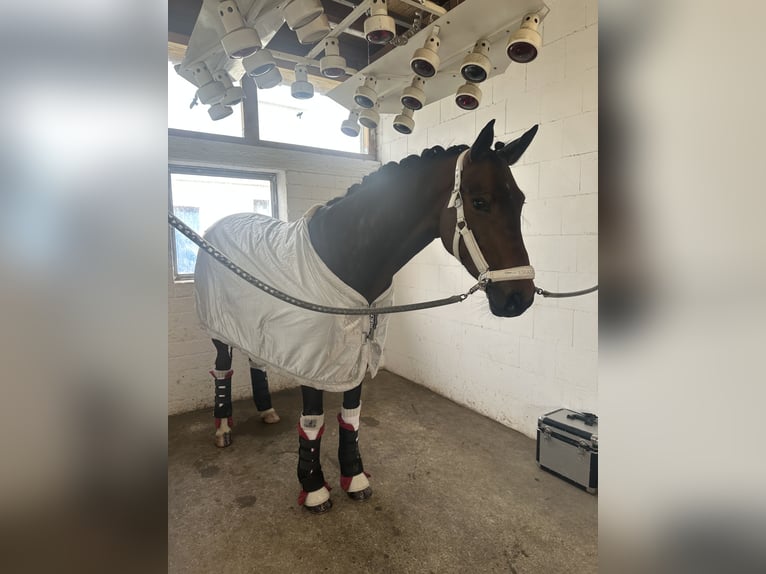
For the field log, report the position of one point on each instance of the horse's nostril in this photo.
(513, 302)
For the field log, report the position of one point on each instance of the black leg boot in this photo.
(222, 410)
(353, 479)
(315, 493)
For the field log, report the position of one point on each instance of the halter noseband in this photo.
(461, 230)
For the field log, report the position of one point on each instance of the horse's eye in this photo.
(481, 204)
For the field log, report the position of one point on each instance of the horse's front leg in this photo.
(353, 479)
(315, 493)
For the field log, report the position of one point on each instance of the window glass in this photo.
(280, 117)
(201, 199)
(186, 251)
(314, 122)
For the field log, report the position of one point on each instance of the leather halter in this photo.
(462, 230)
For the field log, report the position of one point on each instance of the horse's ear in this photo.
(514, 150)
(483, 142)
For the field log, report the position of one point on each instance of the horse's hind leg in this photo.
(353, 479)
(222, 411)
(261, 395)
(315, 493)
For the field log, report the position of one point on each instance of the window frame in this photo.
(251, 133)
(212, 172)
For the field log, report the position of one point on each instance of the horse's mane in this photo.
(388, 173)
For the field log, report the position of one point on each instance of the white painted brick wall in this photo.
(579, 134)
(566, 17)
(513, 370)
(548, 142)
(548, 67)
(308, 179)
(560, 177)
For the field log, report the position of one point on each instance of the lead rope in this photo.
(562, 294)
(274, 292)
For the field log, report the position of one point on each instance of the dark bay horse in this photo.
(467, 197)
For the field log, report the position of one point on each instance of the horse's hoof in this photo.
(361, 495)
(223, 432)
(223, 440)
(319, 508)
(270, 417)
(357, 487)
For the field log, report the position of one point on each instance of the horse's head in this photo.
(488, 201)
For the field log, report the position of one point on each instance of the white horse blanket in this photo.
(327, 352)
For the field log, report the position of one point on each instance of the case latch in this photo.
(582, 447)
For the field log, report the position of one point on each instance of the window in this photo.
(200, 197)
(272, 116)
(314, 122)
(186, 251)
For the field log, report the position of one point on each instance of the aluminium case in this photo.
(568, 447)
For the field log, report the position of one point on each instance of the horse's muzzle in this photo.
(508, 304)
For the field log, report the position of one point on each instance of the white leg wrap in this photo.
(317, 497)
(221, 374)
(310, 424)
(359, 482)
(351, 416)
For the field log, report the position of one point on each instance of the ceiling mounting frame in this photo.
(399, 21)
(350, 31)
(312, 62)
(434, 9)
(207, 19)
(459, 30)
(476, 40)
(352, 17)
(255, 9)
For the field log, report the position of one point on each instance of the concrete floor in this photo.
(453, 492)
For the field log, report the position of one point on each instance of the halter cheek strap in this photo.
(462, 231)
